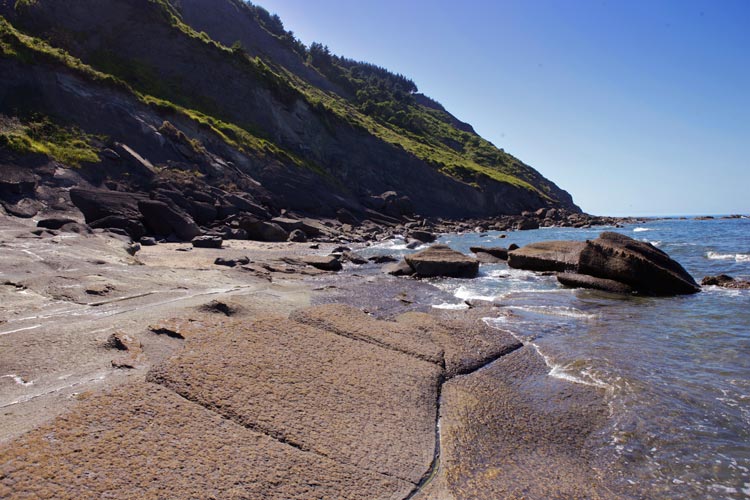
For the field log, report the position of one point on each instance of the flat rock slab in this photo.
(511, 431)
(558, 256)
(467, 341)
(145, 441)
(344, 399)
(353, 323)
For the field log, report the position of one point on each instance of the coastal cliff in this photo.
(215, 95)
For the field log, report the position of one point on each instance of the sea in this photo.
(675, 371)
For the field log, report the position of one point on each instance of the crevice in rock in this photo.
(375, 342)
(432, 471)
(278, 437)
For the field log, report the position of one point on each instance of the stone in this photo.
(132, 227)
(171, 448)
(575, 280)
(148, 241)
(725, 281)
(207, 241)
(423, 236)
(241, 261)
(490, 255)
(324, 262)
(26, 208)
(297, 236)
(359, 404)
(441, 260)
(96, 204)
(557, 256)
(526, 224)
(510, 418)
(163, 219)
(382, 259)
(258, 230)
(54, 222)
(400, 268)
(638, 264)
(354, 258)
(344, 216)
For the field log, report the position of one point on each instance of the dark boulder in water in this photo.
(638, 264)
(726, 281)
(614, 257)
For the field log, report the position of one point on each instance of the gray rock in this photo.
(297, 236)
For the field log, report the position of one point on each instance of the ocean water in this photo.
(675, 371)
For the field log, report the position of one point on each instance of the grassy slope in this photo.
(66, 144)
(473, 159)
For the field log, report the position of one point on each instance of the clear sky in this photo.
(634, 107)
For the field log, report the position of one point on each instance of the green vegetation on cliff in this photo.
(269, 96)
(68, 145)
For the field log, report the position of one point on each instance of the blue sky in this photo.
(633, 107)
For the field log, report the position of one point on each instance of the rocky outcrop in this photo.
(614, 257)
(441, 260)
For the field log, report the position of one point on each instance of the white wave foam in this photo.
(448, 305)
(556, 370)
(567, 312)
(642, 229)
(465, 293)
(738, 257)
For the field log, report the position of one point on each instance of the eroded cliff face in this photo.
(260, 118)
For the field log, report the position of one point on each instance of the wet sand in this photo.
(268, 380)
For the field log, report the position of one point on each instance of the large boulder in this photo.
(97, 204)
(642, 266)
(259, 230)
(441, 260)
(557, 256)
(163, 219)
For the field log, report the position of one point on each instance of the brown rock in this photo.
(511, 418)
(172, 448)
(641, 265)
(547, 256)
(441, 260)
(353, 323)
(574, 280)
(490, 255)
(354, 402)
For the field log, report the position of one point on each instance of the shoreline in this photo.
(160, 283)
